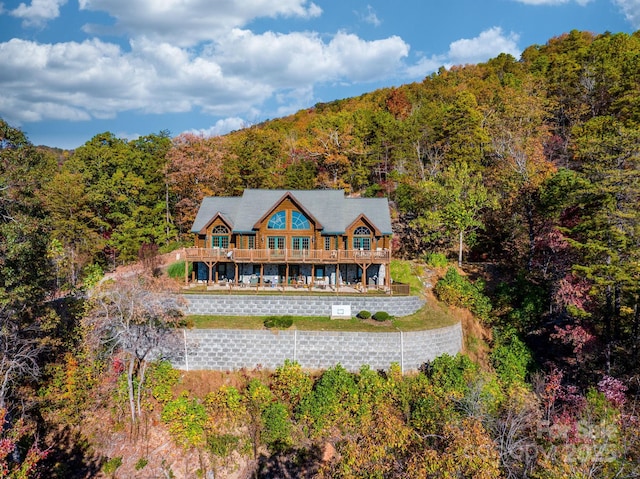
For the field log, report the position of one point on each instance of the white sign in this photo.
(342, 311)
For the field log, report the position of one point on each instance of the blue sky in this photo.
(70, 69)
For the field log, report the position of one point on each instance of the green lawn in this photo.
(405, 272)
(429, 317)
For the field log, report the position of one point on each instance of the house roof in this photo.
(331, 208)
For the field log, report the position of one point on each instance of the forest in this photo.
(525, 170)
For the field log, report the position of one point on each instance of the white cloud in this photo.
(488, 44)
(221, 127)
(631, 10)
(38, 12)
(127, 136)
(207, 64)
(294, 100)
(359, 60)
(174, 21)
(370, 17)
(426, 65)
(96, 79)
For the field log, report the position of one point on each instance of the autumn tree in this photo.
(518, 138)
(608, 233)
(12, 439)
(118, 192)
(25, 270)
(257, 160)
(132, 320)
(335, 146)
(76, 225)
(420, 147)
(194, 170)
(457, 198)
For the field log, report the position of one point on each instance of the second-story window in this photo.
(300, 242)
(278, 221)
(220, 237)
(299, 221)
(275, 242)
(362, 238)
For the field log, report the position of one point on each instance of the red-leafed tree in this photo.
(194, 171)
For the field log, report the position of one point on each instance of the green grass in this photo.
(405, 272)
(176, 270)
(429, 317)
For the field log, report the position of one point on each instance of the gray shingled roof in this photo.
(331, 208)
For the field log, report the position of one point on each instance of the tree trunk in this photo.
(132, 403)
(141, 378)
(461, 236)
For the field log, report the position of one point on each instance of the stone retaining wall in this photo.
(228, 350)
(258, 305)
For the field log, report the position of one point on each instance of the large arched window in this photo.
(362, 238)
(278, 221)
(220, 237)
(299, 221)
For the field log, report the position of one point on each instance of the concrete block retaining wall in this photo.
(228, 350)
(257, 305)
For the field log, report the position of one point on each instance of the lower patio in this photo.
(316, 288)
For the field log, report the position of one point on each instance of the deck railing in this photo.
(288, 255)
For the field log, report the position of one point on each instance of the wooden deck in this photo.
(280, 256)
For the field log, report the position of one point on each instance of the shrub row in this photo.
(278, 322)
(378, 316)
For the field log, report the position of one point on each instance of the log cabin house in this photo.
(313, 238)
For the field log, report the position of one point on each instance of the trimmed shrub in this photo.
(278, 322)
(364, 314)
(436, 260)
(381, 316)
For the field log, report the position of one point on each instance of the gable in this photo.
(218, 219)
(287, 202)
(215, 205)
(362, 220)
